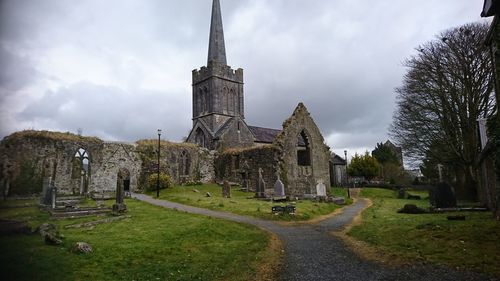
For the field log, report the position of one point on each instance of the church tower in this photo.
(217, 89)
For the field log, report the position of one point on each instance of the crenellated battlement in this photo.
(217, 70)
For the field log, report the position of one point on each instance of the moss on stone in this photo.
(50, 136)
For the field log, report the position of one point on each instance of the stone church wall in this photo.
(300, 180)
(234, 164)
(27, 157)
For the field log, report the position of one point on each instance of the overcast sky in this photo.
(121, 69)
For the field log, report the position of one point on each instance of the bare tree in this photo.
(448, 86)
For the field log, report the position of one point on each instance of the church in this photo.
(220, 147)
(297, 153)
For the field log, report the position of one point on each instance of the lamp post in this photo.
(158, 176)
(346, 176)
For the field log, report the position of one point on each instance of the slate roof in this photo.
(265, 135)
(337, 160)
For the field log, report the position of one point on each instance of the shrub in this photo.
(165, 181)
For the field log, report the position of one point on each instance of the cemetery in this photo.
(234, 201)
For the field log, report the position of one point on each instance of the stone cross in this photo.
(261, 186)
(119, 206)
(226, 190)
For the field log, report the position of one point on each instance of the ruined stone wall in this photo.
(233, 164)
(183, 162)
(300, 180)
(29, 156)
(114, 157)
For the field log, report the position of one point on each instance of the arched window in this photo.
(184, 164)
(203, 102)
(199, 103)
(231, 105)
(81, 169)
(303, 150)
(225, 101)
(200, 138)
(206, 104)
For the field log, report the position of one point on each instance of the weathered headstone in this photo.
(261, 186)
(411, 209)
(226, 190)
(321, 189)
(245, 185)
(279, 189)
(119, 207)
(443, 196)
(46, 198)
(53, 195)
(401, 193)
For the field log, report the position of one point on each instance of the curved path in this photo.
(313, 254)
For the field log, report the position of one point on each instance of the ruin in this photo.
(220, 147)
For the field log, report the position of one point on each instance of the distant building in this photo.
(338, 170)
(396, 150)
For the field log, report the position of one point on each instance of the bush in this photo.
(165, 181)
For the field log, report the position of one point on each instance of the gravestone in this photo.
(401, 193)
(279, 189)
(443, 196)
(411, 209)
(226, 190)
(53, 195)
(245, 185)
(321, 189)
(119, 207)
(261, 186)
(46, 198)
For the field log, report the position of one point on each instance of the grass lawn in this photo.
(244, 203)
(472, 244)
(154, 244)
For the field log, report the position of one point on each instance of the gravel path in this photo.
(313, 254)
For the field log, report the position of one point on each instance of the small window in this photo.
(303, 150)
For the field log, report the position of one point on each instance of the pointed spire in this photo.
(216, 47)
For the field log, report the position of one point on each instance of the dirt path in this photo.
(311, 253)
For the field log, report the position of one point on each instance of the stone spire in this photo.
(216, 48)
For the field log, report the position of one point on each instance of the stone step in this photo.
(70, 197)
(68, 202)
(64, 213)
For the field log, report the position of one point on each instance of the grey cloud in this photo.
(341, 58)
(108, 111)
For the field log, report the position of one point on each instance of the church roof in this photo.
(216, 47)
(265, 135)
(337, 160)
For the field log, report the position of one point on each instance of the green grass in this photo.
(471, 244)
(154, 244)
(243, 203)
